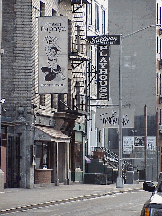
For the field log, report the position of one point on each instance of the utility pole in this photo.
(145, 139)
(119, 182)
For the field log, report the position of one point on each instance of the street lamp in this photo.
(119, 182)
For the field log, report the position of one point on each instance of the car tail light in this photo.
(147, 211)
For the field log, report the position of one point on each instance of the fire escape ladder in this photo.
(79, 42)
(78, 54)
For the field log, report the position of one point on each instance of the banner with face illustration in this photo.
(53, 54)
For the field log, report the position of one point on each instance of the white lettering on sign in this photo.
(105, 39)
(102, 76)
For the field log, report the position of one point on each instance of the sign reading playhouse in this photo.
(53, 54)
(103, 73)
(103, 42)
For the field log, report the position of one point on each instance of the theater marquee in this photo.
(103, 73)
(53, 54)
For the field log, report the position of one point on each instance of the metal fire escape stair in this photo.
(77, 56)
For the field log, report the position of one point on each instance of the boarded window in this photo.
(42, 99)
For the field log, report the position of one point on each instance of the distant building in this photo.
(141, 76)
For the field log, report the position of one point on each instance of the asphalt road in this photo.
(121, 204)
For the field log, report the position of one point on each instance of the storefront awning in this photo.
(43, 133)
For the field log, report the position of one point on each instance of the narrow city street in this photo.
(121, 204)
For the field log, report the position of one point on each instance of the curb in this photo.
(56, 202)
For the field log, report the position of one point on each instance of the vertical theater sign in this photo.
(53, 54)
(103, 73)
(103, 42)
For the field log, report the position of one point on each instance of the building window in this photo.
(160, 48)
(42, 158)
(160, 15)
(157, 13)
(160, 84)
(77, 96)
(54, 101)
(79, 155)
(42, 9)
(157, 44)
(69, 93)
(103, 22)
(42, 99)
(89, 13)
(157, 83)
(69, 36)
(61, 106)
(54, 12)
(78, 39)
(96, 17)
(160, 117)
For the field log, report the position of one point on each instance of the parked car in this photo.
(153, 207)
(149, 186)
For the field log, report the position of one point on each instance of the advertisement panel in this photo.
(151, 142)
(138, 141)
(128, 144)
(53, 54)
(109, 118)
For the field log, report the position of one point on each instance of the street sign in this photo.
(128, 144)
(109, 118)
(104, 40)
(151, 142)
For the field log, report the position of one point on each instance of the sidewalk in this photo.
(19, 198)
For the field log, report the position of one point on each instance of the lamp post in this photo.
(119, 182)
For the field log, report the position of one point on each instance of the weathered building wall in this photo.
(17, 74)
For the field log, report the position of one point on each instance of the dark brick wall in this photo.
(16, 61)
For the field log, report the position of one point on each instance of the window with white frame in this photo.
(103, 22)
(89, 14)
(96, 17)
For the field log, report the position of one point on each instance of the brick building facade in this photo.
(41, 133)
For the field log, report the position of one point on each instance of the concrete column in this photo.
(57, 170)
